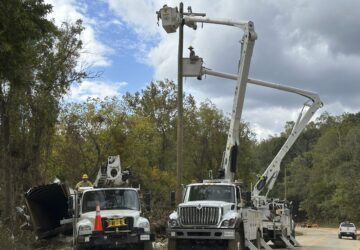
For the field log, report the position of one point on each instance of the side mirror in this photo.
(70, 204)
(147, 200)
(172, 199)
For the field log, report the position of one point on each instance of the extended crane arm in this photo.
(192, 67)
(270, 175)
(310, 107)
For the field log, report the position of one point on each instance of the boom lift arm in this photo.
(193, 67)
(310, 107)
(270, 175)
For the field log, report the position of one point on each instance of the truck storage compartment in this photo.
(48, 206)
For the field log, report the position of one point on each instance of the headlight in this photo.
(144, 225)
(173, 223)
(228, 223)
(84, 229)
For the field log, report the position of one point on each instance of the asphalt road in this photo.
(324, 239)
(313, 239)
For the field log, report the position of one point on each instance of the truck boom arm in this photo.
(193, 67)
(271, 173)
(313, 104)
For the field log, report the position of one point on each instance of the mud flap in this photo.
(250, 245)
(264, 245)
(294, 241)
(287, 243)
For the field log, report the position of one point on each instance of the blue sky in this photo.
(128, 62)
(307, 44)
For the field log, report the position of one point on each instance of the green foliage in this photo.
(41, 139)
(324, 175)
(141, 127)
(37, 66)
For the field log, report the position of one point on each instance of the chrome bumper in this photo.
(203, 234)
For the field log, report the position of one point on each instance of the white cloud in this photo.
(309, 44)
(94, 89)
(94, 52)
(139, 14)
(265, 120)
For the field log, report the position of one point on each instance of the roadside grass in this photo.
(330, 225)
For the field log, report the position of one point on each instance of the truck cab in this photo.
(121, 222)
(214, 213)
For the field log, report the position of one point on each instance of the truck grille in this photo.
(199, 215)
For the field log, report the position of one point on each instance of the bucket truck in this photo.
(109, 215)
(280, 227)
(204, 214)
(216, 213)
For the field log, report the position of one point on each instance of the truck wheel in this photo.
(354, 237)
(239, 242)
(279, 243)
(171, 244)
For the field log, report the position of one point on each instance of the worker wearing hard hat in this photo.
(84, 182)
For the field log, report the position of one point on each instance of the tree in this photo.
(37, 66)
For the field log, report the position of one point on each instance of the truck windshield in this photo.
(212, 193)
(110, 199)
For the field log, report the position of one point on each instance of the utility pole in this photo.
(173, 18)
(180, 127)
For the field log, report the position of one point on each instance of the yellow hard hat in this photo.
(85, 176)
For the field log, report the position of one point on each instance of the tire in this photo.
(278, 243)
(239, 240)
(339, 236)
(172, 244)
(354, 237)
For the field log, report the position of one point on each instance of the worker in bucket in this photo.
(84, 182)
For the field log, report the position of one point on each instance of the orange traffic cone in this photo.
(98, 224)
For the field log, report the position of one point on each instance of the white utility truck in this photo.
(259, 205)
(109, 215)
(216, 214)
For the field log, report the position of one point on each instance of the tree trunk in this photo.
(7, 166)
